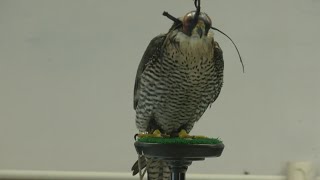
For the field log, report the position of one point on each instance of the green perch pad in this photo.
(177, 140)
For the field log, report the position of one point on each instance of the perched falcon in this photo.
(179, 76)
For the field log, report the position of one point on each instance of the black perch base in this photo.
(179, 156)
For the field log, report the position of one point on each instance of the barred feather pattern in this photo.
(181, 79)
(177, 87)
(158, 170)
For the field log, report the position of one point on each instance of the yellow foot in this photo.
(183, 134)
(156, 133)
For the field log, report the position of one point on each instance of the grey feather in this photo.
(135, 167)
(153, 50)
(218, 58)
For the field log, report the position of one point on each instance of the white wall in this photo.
(67, 71)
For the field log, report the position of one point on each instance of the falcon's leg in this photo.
(156, 133)
(183, 134)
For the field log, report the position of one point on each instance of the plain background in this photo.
(67, 71)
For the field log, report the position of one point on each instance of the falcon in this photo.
(179, 76)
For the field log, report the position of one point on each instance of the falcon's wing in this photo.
(219, 66)
(151, 54)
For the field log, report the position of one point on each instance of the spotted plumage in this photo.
(179, 76)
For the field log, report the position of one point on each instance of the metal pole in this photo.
(179, 169)
(178, 176)
(175, 176)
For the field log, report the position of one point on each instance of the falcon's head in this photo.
(192, 35)
(193, 27)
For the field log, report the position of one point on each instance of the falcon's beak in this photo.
(200, 32)
(200, 28)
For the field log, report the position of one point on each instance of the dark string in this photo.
(197, 5)
(196, 17)
(233, 44)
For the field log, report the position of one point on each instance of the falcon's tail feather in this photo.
(157, 170)
(135, 167)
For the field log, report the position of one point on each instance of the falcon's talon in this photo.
(156, 133)
(199, 137)
(183, 134)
